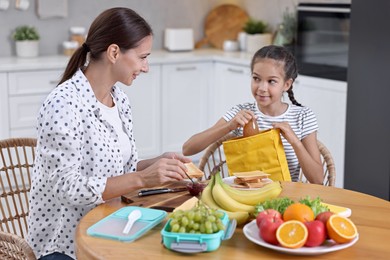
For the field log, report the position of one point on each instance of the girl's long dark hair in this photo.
(121, 26)
(280, 54)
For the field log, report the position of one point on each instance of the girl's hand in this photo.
(287, 132)
(241, 119)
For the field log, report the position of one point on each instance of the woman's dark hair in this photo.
(119, 25)
(281, 54)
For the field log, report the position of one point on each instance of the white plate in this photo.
(251, 232)
(230, 181)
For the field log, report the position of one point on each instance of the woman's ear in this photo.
(113, 52)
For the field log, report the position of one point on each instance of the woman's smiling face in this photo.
(134, 61)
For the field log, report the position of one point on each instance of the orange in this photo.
(341, 229)
(292, 234)
(298, 211)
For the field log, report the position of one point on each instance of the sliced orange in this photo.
(341, 229)
(298, 211)
(292, 234)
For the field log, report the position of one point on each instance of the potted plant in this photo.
(257, 35)
(285, 35)
(26, 41)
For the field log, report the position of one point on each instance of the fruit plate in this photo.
(251, 232)
(230, 181)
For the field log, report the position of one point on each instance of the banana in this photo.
(225, 201)
(251, 197)
(207, 198)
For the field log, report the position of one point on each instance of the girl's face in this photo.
(134, 61)
(268, 83)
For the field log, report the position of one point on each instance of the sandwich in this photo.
(193, 171)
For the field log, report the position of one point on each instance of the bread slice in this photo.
(251, 175)
(193, 170)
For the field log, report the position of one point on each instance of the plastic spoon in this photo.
(133, 217)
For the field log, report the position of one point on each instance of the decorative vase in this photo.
(254, 42)
(27, 49)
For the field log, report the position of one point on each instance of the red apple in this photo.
(317, 233)
(323, 217)
(268, 228)
(268, 213)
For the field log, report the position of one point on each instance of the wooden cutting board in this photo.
(223, 23)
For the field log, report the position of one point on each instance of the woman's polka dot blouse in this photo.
(76, 152)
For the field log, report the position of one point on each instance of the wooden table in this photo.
(370, 214)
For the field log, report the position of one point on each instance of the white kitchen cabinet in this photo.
(25, 93)
(185, 106)
(231, 86)
(4, 124)
(328, 100)
(145, 100)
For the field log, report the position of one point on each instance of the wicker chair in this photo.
(14, 247)
(17, 158)
(214, 155)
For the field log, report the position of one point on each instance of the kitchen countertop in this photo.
(8, 64)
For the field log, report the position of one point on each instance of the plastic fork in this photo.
(132, 217)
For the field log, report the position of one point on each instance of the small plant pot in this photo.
(254, 42)
(27, 49)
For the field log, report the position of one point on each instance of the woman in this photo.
(86, 152)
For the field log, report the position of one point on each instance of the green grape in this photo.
(184, 221)
(173, 222)
(182, 229)
(196, 226)
(202, 228)
(175, 228)
(190, 215)
(208, 225)
(219, 214)
(221, 226)
(197, 216)
(211, 218)
(199, 220)
(215, 227)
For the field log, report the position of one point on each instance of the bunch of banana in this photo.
(207, 197)
(251, 197)
(238, 204)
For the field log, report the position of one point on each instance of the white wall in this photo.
(159, 13)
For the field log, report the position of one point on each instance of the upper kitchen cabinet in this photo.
(231, 86)
(185, 106)
(145, 101)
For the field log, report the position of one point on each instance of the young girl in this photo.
(274, 70)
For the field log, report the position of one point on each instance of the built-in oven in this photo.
(322, 40)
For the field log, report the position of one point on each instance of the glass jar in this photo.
(77, 34)
(69, 47)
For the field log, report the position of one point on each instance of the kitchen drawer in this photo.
(24, 110)
(33, 82)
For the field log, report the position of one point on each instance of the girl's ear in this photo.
(288, 84)
(113, 52)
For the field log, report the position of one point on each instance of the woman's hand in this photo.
(287, 132)
(168, 168)
(241, 119)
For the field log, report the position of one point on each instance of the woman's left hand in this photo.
(287, 132)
